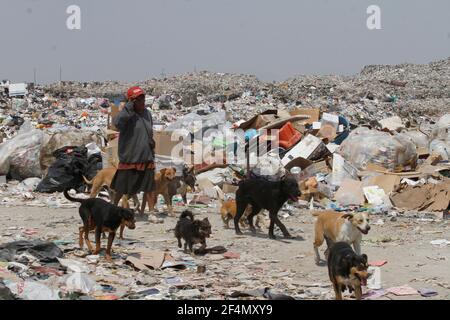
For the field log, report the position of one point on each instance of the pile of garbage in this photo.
(385, 121)
(376, 169)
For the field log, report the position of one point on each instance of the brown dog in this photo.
(162, 179)
(228, 212)
(333, 227)
(104, 178)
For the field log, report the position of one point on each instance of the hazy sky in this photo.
(273, 39)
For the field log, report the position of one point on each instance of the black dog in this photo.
(101, 216)
(347, 269)
(263, 194)
(178, 185)
(192, 231)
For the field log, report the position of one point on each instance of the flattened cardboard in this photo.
(314, 114)
(350, 193)
(427, 197)
(387, 182)
(146, 259)
(259, 120)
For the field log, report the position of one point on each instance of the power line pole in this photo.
(34, 75)
(60, 73)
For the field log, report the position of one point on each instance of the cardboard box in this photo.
(164, 143)
(307, 148)
(111, 116)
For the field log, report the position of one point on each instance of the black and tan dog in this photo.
(347, 270)
(101, 216)
(179, 185)
(192, 231)
(263, 194)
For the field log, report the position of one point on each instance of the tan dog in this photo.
(162, 179)
(104, 178)
(228, 211)
(335, 227)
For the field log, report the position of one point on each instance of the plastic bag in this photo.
(81, 282)
(269, 166)
(441, 147)
(195, 122)
(442, 129)
(74, 265)
(418, 138)
(32, 290)
(364, 146)
(28, 185)
(20, 155)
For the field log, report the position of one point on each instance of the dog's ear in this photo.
(348, 216)
(126, 213)
(163, 170)
(174, 170)
(364, 257)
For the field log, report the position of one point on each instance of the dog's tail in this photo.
(316, 213)
(68, 197)
(187, 214)
(87, 181)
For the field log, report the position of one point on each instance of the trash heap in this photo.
(378, 141)
(391, 117)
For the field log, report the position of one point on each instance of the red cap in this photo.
(134, 92)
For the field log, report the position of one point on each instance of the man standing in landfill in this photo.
(136, 169)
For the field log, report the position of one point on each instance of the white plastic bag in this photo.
(364, 146)
(442, 129)
(74, 265)
(441, 147)
(32, 290)
(21, 154)
(269, 166)
(81, 282)
(418, 138)
(28, 185)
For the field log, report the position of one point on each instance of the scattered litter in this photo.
(402, 291)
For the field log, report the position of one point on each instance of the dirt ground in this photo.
(286, 266)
